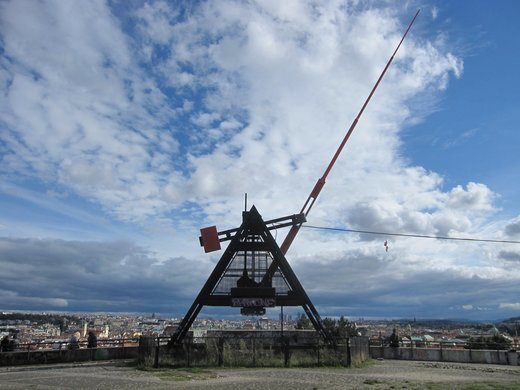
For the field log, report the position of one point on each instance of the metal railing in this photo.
(50, 345)
(447, 344)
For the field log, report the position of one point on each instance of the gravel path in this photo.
(381, 375)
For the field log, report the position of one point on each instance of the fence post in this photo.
(188, 353)
(156, 360)
(349, 353)
(286, 353)
(220, 349)
(319, 348)
(254, 351)
(440, 351)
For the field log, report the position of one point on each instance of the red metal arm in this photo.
(321, 181)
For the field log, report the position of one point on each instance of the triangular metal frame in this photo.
(252, 224)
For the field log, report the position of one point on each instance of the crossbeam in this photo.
(272, 224)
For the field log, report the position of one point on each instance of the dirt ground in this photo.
(388, 374)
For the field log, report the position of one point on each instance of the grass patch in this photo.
(364, 364)
(491, 386)
(181, 374)
(379, 384)
(462, 386)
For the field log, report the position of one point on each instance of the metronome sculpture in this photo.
(253, 272)
(238, 279)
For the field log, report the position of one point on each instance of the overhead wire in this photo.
(411, 235)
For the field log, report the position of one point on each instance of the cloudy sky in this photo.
(125, 126)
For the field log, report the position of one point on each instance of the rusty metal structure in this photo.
(253, 273)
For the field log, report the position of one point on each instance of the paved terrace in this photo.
(375, 375)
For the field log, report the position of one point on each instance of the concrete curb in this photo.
(35, 367)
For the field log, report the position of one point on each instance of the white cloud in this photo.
(205, 119)
(435, 12)
(293, 75)
(460, 139)
(156, 21)
(299, 84)
(77, 109)
(477, 197)
(510, 306)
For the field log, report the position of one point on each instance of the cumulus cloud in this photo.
(155, 21)
(77, 110)
(263, 84)
(447, 212)
(285, 70)
(476, 197)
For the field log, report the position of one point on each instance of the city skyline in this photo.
(126, 127)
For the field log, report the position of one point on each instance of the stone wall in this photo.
(446, 355)
(66, 356)
(291, 350)
(359, 350)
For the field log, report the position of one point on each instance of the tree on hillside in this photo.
(341, 328)
(303, 322)
(494, 342)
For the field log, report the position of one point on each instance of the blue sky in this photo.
(127, 126)
(474, 129)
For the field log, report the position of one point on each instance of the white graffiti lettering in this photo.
(253, 302)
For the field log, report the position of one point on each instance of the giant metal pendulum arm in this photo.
(321, 181)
